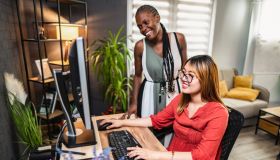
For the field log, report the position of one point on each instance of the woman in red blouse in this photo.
(198, 116)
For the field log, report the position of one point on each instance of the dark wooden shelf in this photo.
(59, 63)
(41, 40)
(55, 114)
(61, 23)
(39, 80)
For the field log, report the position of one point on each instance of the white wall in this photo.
(230, 42)
(231, 33)
(272, 83)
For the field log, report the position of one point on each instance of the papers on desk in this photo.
(80, 152)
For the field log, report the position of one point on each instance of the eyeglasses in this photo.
(184, 76)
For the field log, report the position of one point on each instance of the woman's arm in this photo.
(142, 153)
(162, 119)
(183, 45)
(206, 149)
(140, 122)
(212, 135)
(138, 51)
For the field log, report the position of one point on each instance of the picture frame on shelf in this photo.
(46, 68)
(49, 102)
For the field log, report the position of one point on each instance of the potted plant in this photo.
(109, 62)
(23, 115)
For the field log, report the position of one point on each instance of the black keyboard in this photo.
(119, 141)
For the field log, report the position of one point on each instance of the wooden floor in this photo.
(249, 146)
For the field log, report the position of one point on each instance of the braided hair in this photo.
(168, 61)
(147, 8)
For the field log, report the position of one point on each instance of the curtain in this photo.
(253, 32)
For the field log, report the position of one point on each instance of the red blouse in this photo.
(201, 134)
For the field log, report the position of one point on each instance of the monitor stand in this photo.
(84, 137)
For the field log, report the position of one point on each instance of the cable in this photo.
(58, 139)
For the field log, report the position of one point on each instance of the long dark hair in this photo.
(168, 61)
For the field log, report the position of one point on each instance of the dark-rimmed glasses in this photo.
(185, 76)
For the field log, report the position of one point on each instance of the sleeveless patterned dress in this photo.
(151, 99)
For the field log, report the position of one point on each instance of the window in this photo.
(193, 18)
(269, 24)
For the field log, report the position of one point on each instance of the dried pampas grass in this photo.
(15, 88)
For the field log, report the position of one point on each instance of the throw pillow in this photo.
(223, 88)
(243, 81)
(243, 93)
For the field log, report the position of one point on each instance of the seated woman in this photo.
(198, 116)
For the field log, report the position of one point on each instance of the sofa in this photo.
(249, 108)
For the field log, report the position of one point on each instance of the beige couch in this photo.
(249, 109)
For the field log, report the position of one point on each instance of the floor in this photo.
(249, 146)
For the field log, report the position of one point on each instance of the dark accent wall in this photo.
(103, 16)
(9, 62)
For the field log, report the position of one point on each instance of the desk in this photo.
(143, 135)
(85, 149)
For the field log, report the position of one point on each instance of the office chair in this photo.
(235, 123)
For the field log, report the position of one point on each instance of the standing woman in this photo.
(159, 56)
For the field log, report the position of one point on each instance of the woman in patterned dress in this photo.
(158, 56)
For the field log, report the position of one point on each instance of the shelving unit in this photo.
(41, 25)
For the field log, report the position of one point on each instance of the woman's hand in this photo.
(131, 110)
(141, 153)
(115, 123)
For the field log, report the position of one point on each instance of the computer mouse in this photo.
(104, 126)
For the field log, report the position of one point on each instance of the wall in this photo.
(231, 33)
(9, 57)
(103, 16)
(230, 42)
(266, 67)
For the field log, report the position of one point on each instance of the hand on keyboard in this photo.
(119, 141)
(142, 153)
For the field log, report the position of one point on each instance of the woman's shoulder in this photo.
(139, 43)
(180, 37)
(139, 47)
(176, 99)
(178, 34)
(217, 108)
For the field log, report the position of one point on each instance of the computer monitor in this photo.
(76, 135)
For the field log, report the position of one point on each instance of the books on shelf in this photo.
(48, 103)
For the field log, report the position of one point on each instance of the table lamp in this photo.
(68, 33)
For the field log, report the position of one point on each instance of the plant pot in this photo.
(41, 154)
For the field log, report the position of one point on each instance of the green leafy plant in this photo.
(23, 114)
(26, 124)
(109, 62)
